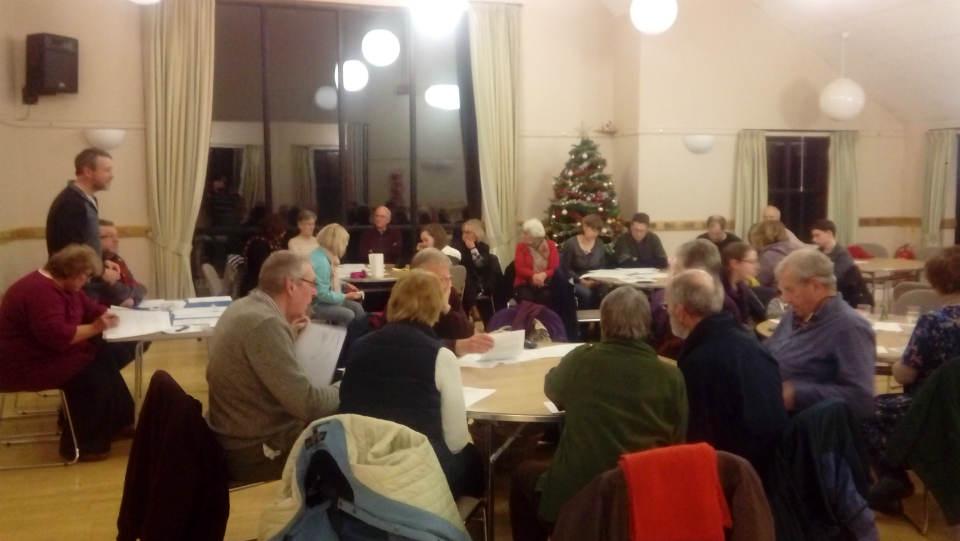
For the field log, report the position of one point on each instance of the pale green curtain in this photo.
(495, 59)
(252, 176)
(304, 177)
(750, 179)
(941, 169)
(178, 42)
(842, 197)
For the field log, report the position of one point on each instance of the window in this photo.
(797, 177)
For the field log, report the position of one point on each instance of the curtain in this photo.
(178, 42)
(842, 197)
(252, 176)
(750, 179)
(495, 58)
(941, 169)
(358, 185)
(304, 177)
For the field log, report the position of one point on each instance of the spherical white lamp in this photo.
(445, 97)
(104, 139)
(842, 99)
(145, 2)
(326, 98)
(380, 47)
(437, 18)
(653, 16)
(355, 75)
(699, 144)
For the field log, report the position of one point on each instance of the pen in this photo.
(178, 329)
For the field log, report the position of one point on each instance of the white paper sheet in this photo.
(137, 323)
(551, 406)
(318, 348)
(558, 350)
(629, 276)
(881, 350)
(506, 345)
(207, 312)
(887, 326)
(161, 304)
(472, 395)
(208, 322)
(224, 298)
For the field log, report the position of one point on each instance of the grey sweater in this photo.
(257, 387)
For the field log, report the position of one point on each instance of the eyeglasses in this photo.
(311, 282)
(748, 261)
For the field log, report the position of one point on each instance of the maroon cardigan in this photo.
(38, 320)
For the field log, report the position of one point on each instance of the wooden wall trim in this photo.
(39, 233)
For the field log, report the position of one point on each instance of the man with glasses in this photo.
(260, 397)
(126, 291)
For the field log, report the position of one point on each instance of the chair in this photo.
(904, 287)
(928, 253)
(926, 299)
(213, 279)
(40, 437)
(876, 250)
(458, 274)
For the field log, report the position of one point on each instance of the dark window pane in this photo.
(798, 172)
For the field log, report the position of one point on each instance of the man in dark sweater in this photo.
(824, 236)
(127, 291)
(733, 385)
(639, 248)
(382, 239)
(717, 232)
(74, 214)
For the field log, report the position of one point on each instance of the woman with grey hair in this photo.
(619, 398)
(535, 260)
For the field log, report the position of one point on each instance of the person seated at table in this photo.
(733, 385)
(331, 303)
(824, 236)
(382, 239)
(403, 373)
(258, 248)
(772, 214)
(935, 340)
(435, 236)
(739, 266)
(824, 347)
(305, 242)
(50, 339)
(535, 259)
(639, 247)
(260, 397)
(770, 240)
(717, 232)
(581, 254)
(127, 291)
(483, 268)
(618, 397)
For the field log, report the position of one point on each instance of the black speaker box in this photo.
(51, 66)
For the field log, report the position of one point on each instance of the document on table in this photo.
(630, 276)
(472, 395)
(161, 304)
(223, 298)
(886, 326)
(557, 350)
(205, 312)
(199, 321)
(137, 323)
(318, 349)
(551, 406)
(506, 345)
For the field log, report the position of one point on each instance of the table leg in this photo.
(491, 469)
(138, 381)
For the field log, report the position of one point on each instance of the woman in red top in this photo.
(49, 339)
(534, 262)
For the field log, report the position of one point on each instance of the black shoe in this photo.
(886, 495)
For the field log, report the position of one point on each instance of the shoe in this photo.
(94, 457)
(886, 495)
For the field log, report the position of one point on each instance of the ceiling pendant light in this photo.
(842, 99)
(653, 16)
(145, 2)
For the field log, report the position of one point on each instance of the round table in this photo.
(889, 264)
(893, 343)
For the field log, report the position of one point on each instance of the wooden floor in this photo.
(82, 501)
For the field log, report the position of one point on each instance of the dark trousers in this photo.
(525, 500)
(99, 400)
(539, 295)
(470, 481)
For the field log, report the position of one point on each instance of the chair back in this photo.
(904, 287)
(926, 299)
(458, 273)
(928, 253)
(876, 250)
(216, 285)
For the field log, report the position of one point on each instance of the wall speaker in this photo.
(51, 66)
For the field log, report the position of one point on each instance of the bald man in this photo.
(382, 239)
(773, 213)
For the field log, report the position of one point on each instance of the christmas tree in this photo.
(581, 189)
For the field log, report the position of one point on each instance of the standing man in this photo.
(127, 291)
(640, 248)
(772, 213)
(382, 239)
(74, 214)
(717, 232)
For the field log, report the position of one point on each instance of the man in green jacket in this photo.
(619, 398)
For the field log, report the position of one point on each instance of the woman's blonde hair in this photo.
(766, 233)
(476, 226)
(72, 261)
(417, 296)
(334, 238)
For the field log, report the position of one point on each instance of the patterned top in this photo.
(935, 340)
